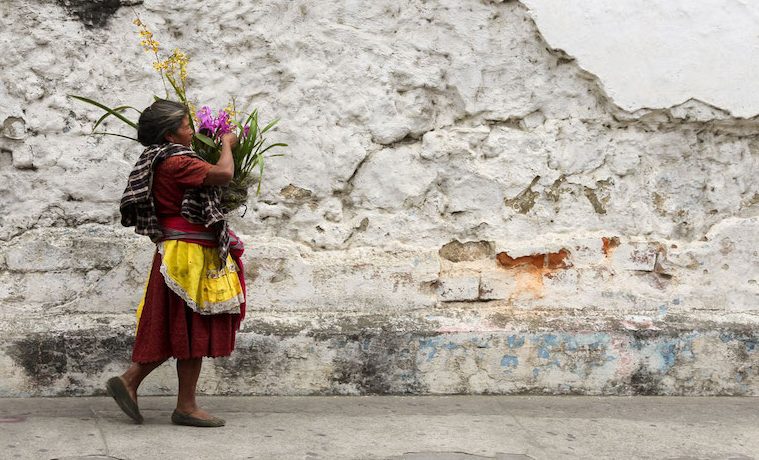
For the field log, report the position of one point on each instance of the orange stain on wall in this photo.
(609, 245)
(529, 271)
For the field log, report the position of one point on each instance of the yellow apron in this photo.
(193, 272)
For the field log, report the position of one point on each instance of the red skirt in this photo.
(168, 328)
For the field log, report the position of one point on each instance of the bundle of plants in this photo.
(248, 154)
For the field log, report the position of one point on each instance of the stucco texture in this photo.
(462, 208)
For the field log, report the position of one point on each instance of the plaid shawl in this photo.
(199, 205)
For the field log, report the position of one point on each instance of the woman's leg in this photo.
(188, 371)
(136, 373)
(124, 388)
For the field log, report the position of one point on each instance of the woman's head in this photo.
(163, 121)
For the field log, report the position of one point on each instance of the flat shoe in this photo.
(179, 418)
(116, 388)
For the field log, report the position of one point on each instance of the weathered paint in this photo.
(380, 362)
(509, 361)
(515, 341)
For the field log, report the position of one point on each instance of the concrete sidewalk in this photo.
(414, 428)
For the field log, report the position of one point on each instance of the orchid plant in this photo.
(248, 154)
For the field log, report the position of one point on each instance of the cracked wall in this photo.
(654, 54)
(454, 186)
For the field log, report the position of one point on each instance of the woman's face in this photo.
(183, 135)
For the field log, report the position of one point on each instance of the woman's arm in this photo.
(222, 172)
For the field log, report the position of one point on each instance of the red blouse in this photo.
(172, 177)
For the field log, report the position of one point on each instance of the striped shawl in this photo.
(199, 205)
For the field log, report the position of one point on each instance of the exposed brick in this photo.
(550, 260)
(456, 251)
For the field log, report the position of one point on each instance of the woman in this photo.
(193, 303)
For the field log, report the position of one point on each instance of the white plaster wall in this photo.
(430, 144)
(657, 54)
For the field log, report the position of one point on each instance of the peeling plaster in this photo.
(659, 54)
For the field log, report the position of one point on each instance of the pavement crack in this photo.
(531, 440)
(99, 426)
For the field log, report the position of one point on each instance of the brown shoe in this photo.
(179, 418)
(116, 388)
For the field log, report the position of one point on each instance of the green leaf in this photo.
(107, 109)
(253, 122)
(272, 145)
(115, 109)
(260, 178)
(270, 125)
(206, 140)
(104, 133)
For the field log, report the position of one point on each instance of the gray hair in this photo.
(161, 118)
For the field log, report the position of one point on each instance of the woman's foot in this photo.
(197, 417)
(124, 397)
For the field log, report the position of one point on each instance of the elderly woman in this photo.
(195, 296)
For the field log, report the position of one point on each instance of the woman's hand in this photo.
(229, 139)
(223, 171)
